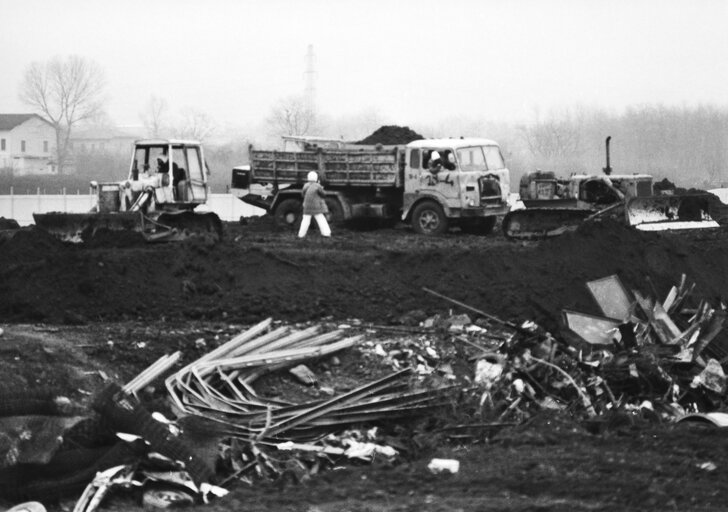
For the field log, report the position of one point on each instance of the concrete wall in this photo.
(22, 207)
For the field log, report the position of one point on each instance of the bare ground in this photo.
(75, 317)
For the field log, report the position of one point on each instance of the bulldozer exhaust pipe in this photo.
(608, 169)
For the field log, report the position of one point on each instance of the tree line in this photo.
(687, 145)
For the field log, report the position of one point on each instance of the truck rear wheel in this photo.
(428, 218)
(288, 212)
(336, 212)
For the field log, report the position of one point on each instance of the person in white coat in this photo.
(314, 205)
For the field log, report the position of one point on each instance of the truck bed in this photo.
(366, 168)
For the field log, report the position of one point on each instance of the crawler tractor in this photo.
(167, 181)
(554, 206)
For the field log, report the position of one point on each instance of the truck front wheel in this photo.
(428, 218)
(288, 212)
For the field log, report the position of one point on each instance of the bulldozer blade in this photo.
(78, 227)
(657, 213)
(188, 224)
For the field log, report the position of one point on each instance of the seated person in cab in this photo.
(449, 162)
(435, 163)
(179, 177)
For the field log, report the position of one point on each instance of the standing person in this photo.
(314, 206)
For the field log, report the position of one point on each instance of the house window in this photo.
(45, 146)
(2, 144)
(22, 146)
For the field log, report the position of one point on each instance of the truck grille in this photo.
(490, 190)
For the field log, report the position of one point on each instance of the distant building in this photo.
(104, 139)
(27, 145)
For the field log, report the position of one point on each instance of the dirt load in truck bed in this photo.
(76, 315)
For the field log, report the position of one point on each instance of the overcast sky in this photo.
(411, 61)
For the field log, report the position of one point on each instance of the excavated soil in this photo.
(75, 316)
(375, 276)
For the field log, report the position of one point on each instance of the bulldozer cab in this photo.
(167, 180)
(600, 190)
(173, 168)
(633, 185)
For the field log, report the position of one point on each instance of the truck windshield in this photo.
(480, 158)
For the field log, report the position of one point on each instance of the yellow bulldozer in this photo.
(167, 181)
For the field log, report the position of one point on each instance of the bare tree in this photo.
(552, 138)
(65, 91)
(292, 116)
(154, 116)
(195, 125)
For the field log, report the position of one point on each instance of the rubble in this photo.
(650, 358)
(219, 387)
(451, 466)
(658, 359)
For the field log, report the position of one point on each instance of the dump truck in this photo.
(431, 183)
(167, 181)
(555, 205)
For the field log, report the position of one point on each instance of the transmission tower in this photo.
(310, 76)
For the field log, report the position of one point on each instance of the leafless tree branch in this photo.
(65, 91)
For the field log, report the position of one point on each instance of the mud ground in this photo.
(75, 317)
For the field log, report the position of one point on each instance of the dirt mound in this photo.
(376, 276)
(391, 134)
(8, 223)
(26, 245)
(115, 238)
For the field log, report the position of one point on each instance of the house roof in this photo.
(105, 133)
(10, 121)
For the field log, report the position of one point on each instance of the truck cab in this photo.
(462, 181)
(431, 183)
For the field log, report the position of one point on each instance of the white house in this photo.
(27, 144)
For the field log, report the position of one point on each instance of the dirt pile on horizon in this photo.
(375, 276)
(391, 134)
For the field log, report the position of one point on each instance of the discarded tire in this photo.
(132, 418)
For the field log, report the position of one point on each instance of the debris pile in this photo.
(218, 387)
(657, 360)
(642, 359)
